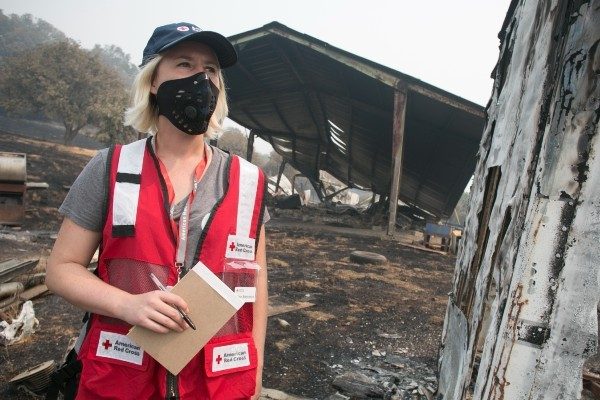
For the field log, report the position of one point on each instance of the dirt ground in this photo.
(360, 311)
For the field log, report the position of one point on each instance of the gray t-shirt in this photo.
(84, 203)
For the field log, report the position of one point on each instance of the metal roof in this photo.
(323, 108)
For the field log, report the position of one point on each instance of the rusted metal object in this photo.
(13, 167)
(36, 379)
(521, 319)
(13, 177)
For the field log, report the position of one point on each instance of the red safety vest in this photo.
(138, 239)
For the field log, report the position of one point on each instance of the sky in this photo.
(450, 44)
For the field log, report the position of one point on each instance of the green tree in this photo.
(114, 57)
(23, 32)
(64, 83)
(234, 141)
(269, 162)
(461, 210)
(109, 121)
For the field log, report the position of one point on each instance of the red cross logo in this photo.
(232, 246)
(107, 344)
(219, 359)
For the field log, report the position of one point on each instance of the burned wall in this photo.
(521, 318)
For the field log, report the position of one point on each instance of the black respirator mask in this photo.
(188, 103)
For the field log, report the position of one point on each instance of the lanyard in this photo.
(182, 240)
(184, 231)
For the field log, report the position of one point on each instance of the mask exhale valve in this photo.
(188, 103)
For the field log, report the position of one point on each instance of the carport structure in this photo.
(371, 127)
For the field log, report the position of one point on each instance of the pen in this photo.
(164, 289)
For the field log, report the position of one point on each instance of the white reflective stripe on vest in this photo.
(126, 195)
(246, 198)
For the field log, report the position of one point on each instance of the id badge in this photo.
(241, 276)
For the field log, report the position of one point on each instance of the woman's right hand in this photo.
(154, 311)
(67, 277)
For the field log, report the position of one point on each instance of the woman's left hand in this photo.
(258, 389)
(259, 330)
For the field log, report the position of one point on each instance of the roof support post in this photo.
(294, 148)
(318, 159)
(319, 188)
(400, 97)
(250, 147)
(281, 168)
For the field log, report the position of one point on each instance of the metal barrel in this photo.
(13, 167)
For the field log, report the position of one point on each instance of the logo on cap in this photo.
(196, 29)
(183, 28)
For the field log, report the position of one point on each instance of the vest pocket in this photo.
(112, 345)
(230, 364)
(115, 367)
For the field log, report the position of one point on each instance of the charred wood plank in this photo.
(358, 386)
(12, 268)
(400, 99)
(527, 275)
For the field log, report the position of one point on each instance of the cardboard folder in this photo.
(211, 302)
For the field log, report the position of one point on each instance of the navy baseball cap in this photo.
(167, 36)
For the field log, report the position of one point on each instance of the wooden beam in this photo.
(281, 168)
(342, 57)
(248, 38)
(318, 158)
(447, 100)
(319, 188)
(325, 125)
(286, 136)
(250, 147)
(285, 308)
(332, 195)
(400, 97)
(13, 267)
(294, 148)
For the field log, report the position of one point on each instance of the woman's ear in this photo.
(154, 85)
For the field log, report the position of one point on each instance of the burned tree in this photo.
(521, 318)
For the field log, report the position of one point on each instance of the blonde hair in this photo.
(142, 115)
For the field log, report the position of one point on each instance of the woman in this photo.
(159, 206)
